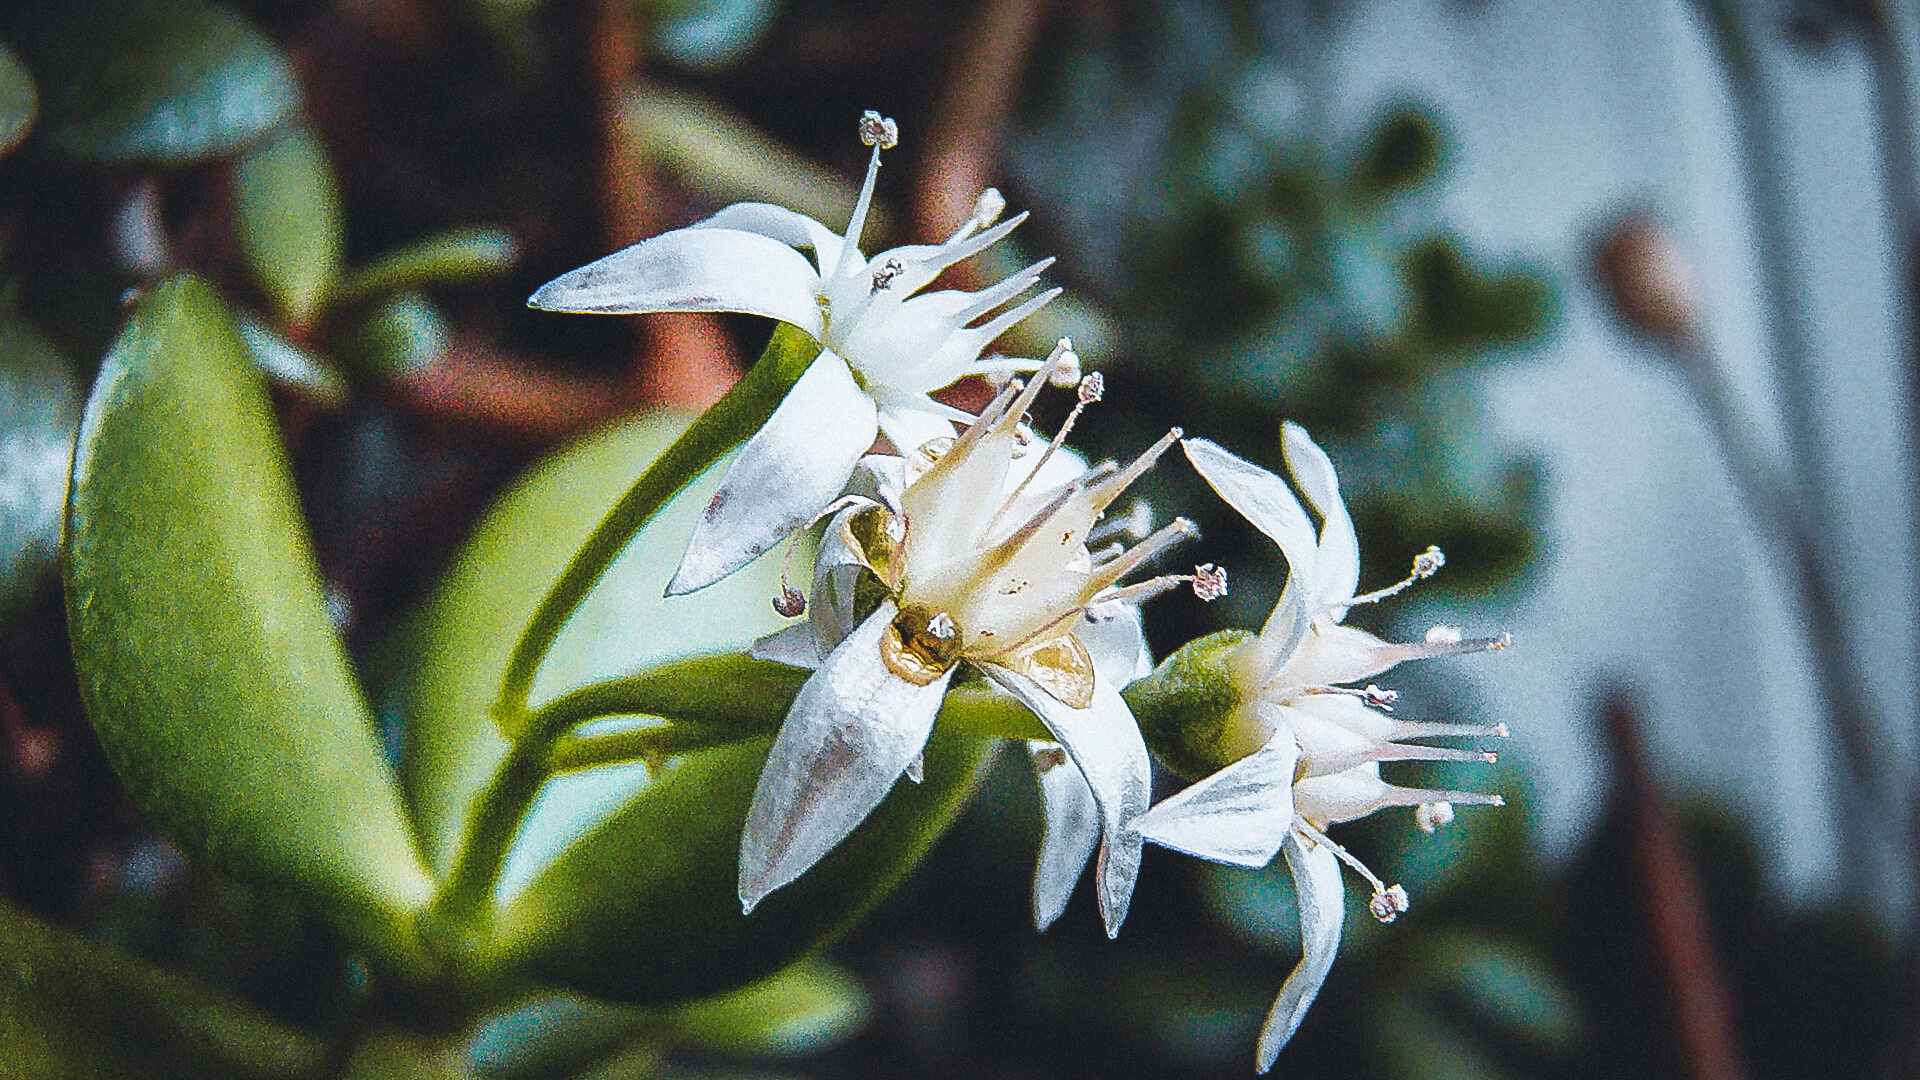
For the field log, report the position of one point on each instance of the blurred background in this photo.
(1614, 302)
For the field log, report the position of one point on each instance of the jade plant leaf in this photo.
(19, 101)
(150, 82)
(72, 1007)
(288, 208)
(39, 412)
(807, 1007)
(219, 688)
(455, 257)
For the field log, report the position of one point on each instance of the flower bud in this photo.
(1648, 278)
(1187, 708)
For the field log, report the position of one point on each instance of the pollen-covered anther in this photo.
(1428, 563)
(1431, 815)
(988, 208)
(1389, 903)
(877, 130)
(790, 604)
(1209, 582)
(1380, 698)
(1092, 388)
(883, 278)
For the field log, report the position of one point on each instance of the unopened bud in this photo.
(1652, 285)
(877, 130)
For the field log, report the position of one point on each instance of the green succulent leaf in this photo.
(803, 1009)
(71, 1007)
(288, 363)
(289, 221)
(39, 413)
(455, 257)
(220, 691)
(19, 100)
(150, 82)
(405, 334)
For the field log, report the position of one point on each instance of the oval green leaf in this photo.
(39, 412)
(206, 660)
(401, 336)
(19, 101)
(287, 206)
(455, 257)
(150, 82)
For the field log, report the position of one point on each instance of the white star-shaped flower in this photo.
(1302, 749)
(885, 345)
(994, 573)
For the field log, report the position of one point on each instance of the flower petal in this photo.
(788, 471)
(1071, 830)
(1110, 629)
(909, 428)
(853, 730)
(1316, 881)
(1263, 499)
(693, 270)
(1105, 745)
(790, 227)
(795, 646)
(1338, 574)
(1239, 815)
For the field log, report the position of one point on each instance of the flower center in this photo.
(921, 645)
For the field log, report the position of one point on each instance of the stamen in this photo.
(1431, 815)
(1110, 490)
(881, 134)
(1425, 565)
(1388, 902)
(790, 603)
(1329, 764)
(1389, 905)
(1378, 697)
(883, 277)
(878, 131)
(1135, 525)
(1209, 582)
(1055, 364)
(1175, 531)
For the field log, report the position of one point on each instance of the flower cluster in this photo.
(980, 553)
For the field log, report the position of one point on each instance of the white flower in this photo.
(885, 345)
(975, 569)
(1305, 750)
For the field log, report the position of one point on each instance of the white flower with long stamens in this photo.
(885, 345)
(1301, 748)
(975, 569)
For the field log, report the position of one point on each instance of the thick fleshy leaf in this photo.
(693, 270)
(220, 691)
(150, 82)
(1239, 815)
(790, 470)
(1337, 576)
(1070, 830)
(39, 412)
(290, 364)
(287, 206)
(405, 334)
(19, 100)
(455, 257)
(72, 1007)
(1322, 902)
(852, 732)
(1105, 745)
(805, 1008)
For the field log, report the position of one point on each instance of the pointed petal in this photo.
(1338, 574)
(787, 472)
(853, 730)
(795, 646)
(1239, 815)
(1105, 745)
(1316, 881)
(1263, 499)
(1113, 636)
(1072, 829)
(790, 227)
(908, 428)
(693, 270)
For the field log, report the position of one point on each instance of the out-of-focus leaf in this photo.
(288, 208)
(403, 335)
(713, 33)
(39, 412)
(1404, 150)
(558, 1034)
(150, 82)
(1458, 306)
(1504, 982)
(219, 689)
(19, 101)
(1419, 1045)
(289, 363)
(805, 1008)
(450, 258)
(70, 1007)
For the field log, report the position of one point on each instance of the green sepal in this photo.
(220, 691)
(70, 1007)
(1185, 707)
(645, 907)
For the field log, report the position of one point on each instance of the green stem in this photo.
(727, 424)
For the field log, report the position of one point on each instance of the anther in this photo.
(1067, 374)
(942, 627)
(1048, 758)
(790, 604)
(1209, 582)
(1389, 903)
(1431, 815)
(877, 130)
(1092, 388)
(1425, 565)
(988, 208)
(889, 270)
(1429, 562)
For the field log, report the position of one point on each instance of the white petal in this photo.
(908, 428)
(1316, 881)
(853, 730)
(788, 471)
(1263, 499)
(1239, 815)
(1115, 641)
(693, 270)
(1338, 574)
(790, 227)
(1072, 829)
(1343, 654)
(1105, 745)
(795, 646)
